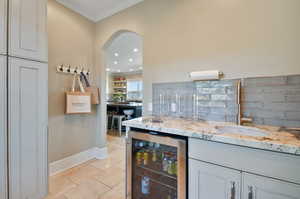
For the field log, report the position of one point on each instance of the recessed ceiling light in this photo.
(115, 62)
(108, 69)
(131, 69)
(130, 60)
(117, 54)
(118, 70)
(135, 50)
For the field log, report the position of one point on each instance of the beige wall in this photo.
(71, 41)
(137, 76)
(242, 38)
(239, 37)
(110, 90)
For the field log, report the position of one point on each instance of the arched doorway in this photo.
(123, 66)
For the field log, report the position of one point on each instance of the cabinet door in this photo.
(27, 29)
(3, 130)
(257, 187)
(3, 28)
(207, 181)
(27, 129)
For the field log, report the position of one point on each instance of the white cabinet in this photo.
(23, 28)
(248, 168)
(3, 27)
(208, 181)
(27, 29)
(258, 187)
(28, 94)
(3, 131)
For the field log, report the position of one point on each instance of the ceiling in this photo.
(96, 10)
(125, 54)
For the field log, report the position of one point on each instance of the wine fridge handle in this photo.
(128, 192)
(232, 189)
(250, 192)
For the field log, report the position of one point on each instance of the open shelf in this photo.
(161, 183)
(119, 93)
(120, 87)
(119, 81)
(157, 172)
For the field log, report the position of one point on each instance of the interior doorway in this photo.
(124, 79)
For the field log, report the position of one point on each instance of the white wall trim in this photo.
(76, 159)
(100, 153)
(103, 13)
(118, 8)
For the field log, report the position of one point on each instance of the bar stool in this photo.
(119, 118)
(109, 119)
(128, 113)
(110, 114)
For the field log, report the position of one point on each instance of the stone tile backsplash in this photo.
(270, 101)
(207, 100)
(273, 100)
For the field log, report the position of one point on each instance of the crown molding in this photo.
(98, 17)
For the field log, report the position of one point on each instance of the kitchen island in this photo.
(230, 161)
(120, 106)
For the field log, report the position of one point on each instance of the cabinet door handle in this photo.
(232, 190)
(250, 192)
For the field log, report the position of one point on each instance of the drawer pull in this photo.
(232, 190)
(250, 192)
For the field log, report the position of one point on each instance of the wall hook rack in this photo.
(72, 70)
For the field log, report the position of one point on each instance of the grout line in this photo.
(94, 177)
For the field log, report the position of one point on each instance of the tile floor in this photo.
(95, 179)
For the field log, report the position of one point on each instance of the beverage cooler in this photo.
(156, 166)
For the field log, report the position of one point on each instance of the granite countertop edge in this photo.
(205, 134)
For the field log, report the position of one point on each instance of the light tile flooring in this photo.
(95, 179)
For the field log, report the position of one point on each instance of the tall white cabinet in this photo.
(28, 129)
(3, 27)
(27, 29)
(24, 99)
(3, 129)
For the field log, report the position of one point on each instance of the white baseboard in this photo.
(100, 153)
(76, 159)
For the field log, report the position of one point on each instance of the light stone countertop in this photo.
(273, 140)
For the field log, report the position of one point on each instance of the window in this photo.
(134, 89)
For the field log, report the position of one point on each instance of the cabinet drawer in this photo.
(259, 187)
(261, 162)
(208, 181)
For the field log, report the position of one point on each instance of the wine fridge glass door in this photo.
(156, 167)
